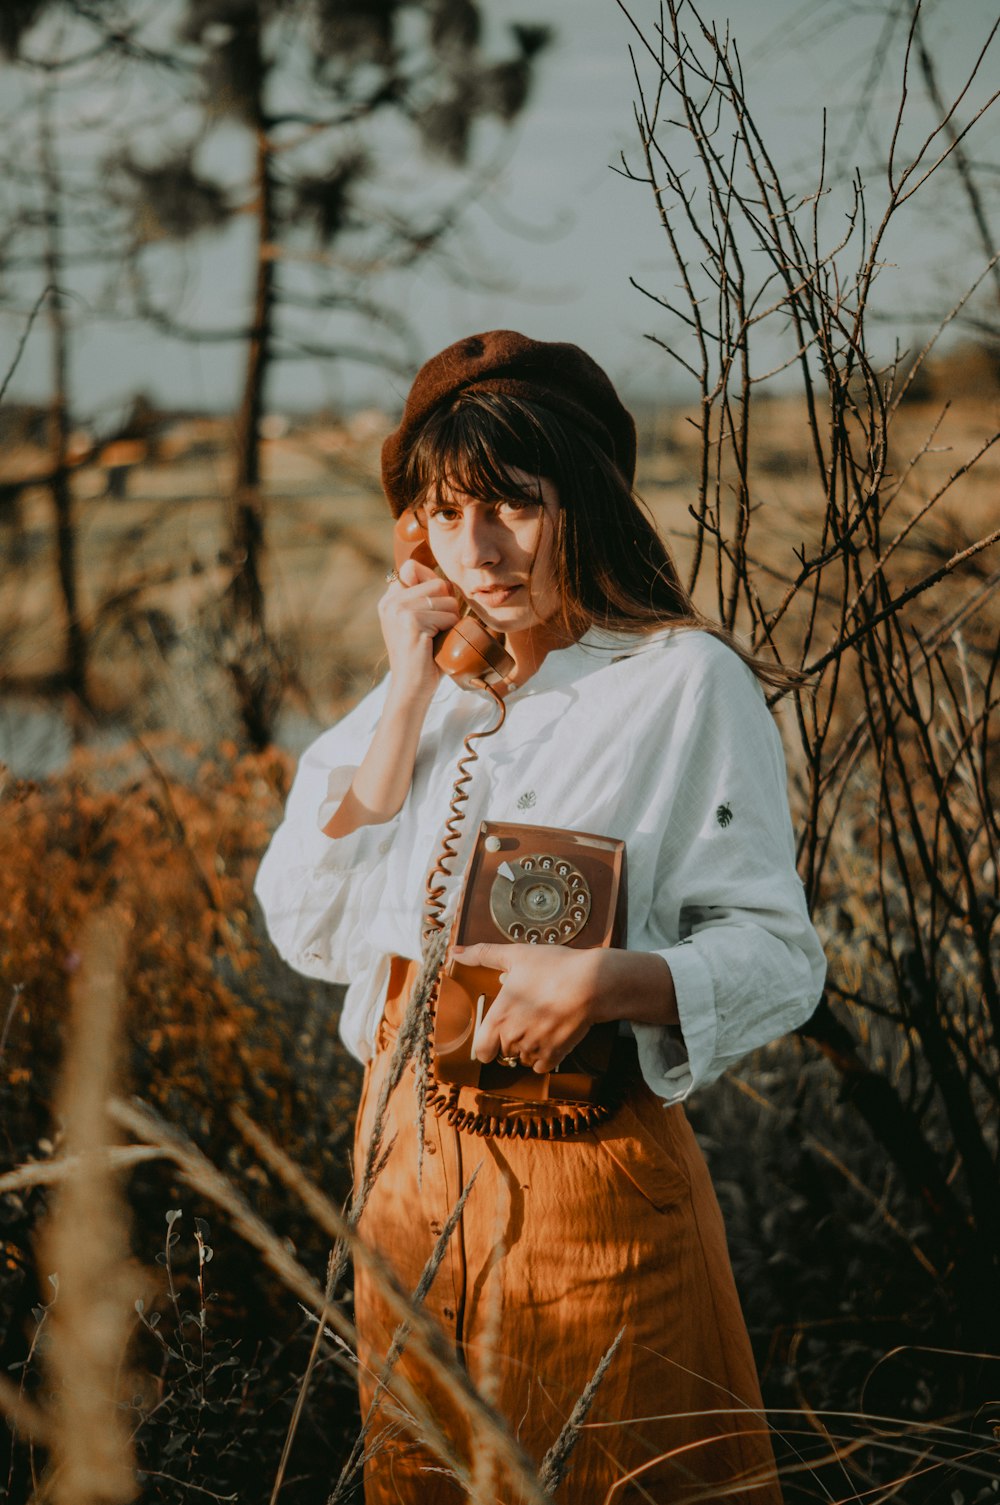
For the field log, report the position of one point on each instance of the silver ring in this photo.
(392, 577)
(512, 1062)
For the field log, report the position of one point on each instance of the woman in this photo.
(628, 716)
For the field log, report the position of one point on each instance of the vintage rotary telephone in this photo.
(543, 886)
(535, 884)
(469, 652)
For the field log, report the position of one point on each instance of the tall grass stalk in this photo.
(84, 1248)
(426, 1338)
(205, 1178)
(555, 1462)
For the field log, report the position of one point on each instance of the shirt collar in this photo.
(597, 646)
(562, 666)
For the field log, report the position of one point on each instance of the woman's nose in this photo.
(480, 544)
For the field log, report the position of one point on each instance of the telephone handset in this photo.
(469, 652)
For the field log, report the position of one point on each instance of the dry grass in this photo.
(83, 1249)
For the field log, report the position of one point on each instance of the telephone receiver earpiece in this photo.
(409, 541)
(472, 655)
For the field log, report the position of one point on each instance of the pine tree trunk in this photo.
(74, 669)
(248, 516)
(251, 661)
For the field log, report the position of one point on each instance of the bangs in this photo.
(473, 446)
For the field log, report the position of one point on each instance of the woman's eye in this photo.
(507, 507)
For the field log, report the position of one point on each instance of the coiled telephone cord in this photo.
(502, 1117)
(436, 885)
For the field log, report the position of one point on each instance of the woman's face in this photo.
(500, 555)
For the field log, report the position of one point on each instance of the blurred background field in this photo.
(155, 555)
(188, 595)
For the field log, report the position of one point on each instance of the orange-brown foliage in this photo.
(178, 852)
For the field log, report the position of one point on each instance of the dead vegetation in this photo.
(850, 533)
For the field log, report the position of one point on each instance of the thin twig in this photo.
(32, 316)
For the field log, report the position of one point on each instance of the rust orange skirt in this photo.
(561, 1244)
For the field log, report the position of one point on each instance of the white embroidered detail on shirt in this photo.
(527, 800)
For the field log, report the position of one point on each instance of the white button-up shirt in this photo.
(665, 742)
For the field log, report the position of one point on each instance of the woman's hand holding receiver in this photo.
(415, 608)
(551, 995)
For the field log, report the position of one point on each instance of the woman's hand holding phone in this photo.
(414, 610)
(551, 995)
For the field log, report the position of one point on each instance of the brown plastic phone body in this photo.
(469, 652)
(501, 880)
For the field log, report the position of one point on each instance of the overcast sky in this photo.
(562, 234)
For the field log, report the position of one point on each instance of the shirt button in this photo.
(384, 847)
(447, 1314)
(431, 1148)
(435, 1227)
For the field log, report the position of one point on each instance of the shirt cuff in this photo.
(672, 1067)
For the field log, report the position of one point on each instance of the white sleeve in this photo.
(309, 884)
(747, 964)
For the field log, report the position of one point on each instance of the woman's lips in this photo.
(495, 595)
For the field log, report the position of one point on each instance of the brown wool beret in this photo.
(557, 376)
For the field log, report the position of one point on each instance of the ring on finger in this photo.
(509, 1061)
(391, 577)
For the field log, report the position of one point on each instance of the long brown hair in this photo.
(613, 569)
